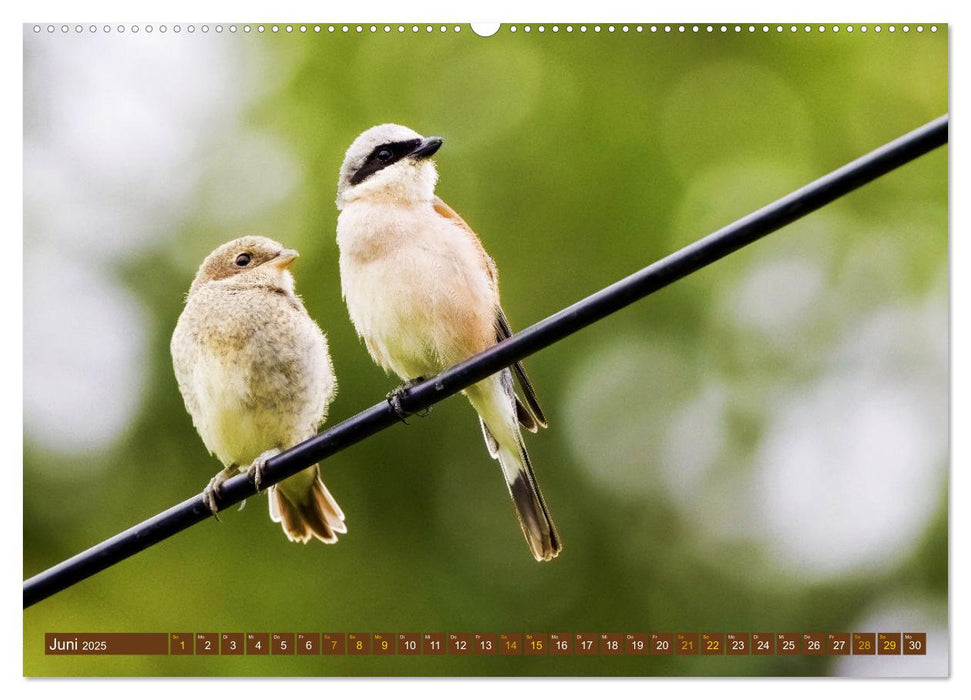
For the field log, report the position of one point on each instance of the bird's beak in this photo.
(426, 148)
(284, 258)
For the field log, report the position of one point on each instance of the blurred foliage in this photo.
(579, 159)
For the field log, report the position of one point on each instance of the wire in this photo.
(595, 307)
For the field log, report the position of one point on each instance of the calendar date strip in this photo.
(486, 643)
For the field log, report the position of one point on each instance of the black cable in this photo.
(543, 334)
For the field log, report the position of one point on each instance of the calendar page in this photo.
(713, 437)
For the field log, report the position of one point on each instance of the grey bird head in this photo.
(248, 260)
(388, 161)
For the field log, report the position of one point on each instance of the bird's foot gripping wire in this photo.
(394, 399)
(210, 494)
(255, 471)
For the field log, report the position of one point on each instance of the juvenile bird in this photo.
(256, 377)
(424, 295)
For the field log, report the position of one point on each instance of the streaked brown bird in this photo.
(257, 378)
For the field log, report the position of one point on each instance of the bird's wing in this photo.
(503, 331)
(446, 212)
(531, 417)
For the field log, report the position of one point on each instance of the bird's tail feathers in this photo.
(495, 402)
(308, 512)
(534, 516)
(491, 443)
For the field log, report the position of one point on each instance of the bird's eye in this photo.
(243, 259)
(384, 155)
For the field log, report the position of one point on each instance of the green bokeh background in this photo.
(578, 158)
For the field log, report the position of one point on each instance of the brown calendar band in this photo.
(104, 643)
(487, 643)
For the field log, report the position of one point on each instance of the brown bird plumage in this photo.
(424, 295)
(256, 377)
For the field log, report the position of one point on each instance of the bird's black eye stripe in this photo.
(243, 259)
(389, 152)
(382, 156)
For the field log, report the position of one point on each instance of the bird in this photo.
(257, 378)
(423, 294)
